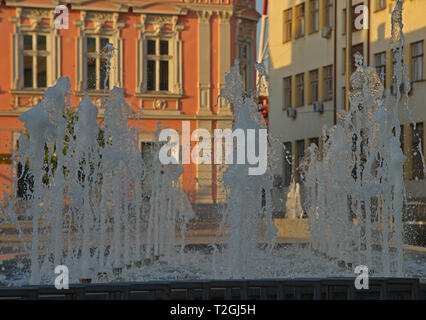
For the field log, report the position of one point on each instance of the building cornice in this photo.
(150, 115)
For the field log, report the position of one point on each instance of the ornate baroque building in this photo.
(170, 57)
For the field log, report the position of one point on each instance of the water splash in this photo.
(248, 211)
(89, 206)
(356, 189)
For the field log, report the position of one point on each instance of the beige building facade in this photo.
(308, 75)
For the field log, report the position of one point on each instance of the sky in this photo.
(259, 8)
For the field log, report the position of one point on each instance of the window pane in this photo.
(151, 75)
(28, 71)
(287, 24)
(41, 72)
(28, 42)
(102, 73)
(104, 42)
(164, 47)
(314, 85)
(164, 75)
(416, 148)
(151, 46)
(287, 92)
(300, 90)
(41, 43)
(91, 45)
(91, 74)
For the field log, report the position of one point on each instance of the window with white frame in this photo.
(159, 51)
(417, 61)
(35, 60)
(35, 46)
(96, 63)
(92, 55)
(158, 64)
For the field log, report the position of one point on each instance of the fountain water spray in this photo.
(88, 204)
(249, 205)
(356, 190)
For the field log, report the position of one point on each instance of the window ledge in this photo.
(379, 9)
(93, 93)
(28, 91)
(165, 95)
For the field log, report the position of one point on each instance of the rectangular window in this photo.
(287, 164)
(314, 15)
(380, 60)
(328, 83)
(287, 93)
(158, 65)
(418, 172)
(313, 75)
(300, 81)
(96, 63)
(329, 13)
(287, 25)
(417, 61)
(35, 61)
(380, 4)
(300, 20)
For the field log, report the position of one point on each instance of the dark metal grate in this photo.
(271, 289)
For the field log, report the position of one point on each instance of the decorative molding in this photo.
(160, 104)
(21, 102)
(204, 16)
(224, 16)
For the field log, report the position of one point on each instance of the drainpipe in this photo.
(368, 32)
(348, 49)
(335, 62)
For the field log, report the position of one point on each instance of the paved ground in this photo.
(197, 233)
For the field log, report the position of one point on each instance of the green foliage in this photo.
(50, 162)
